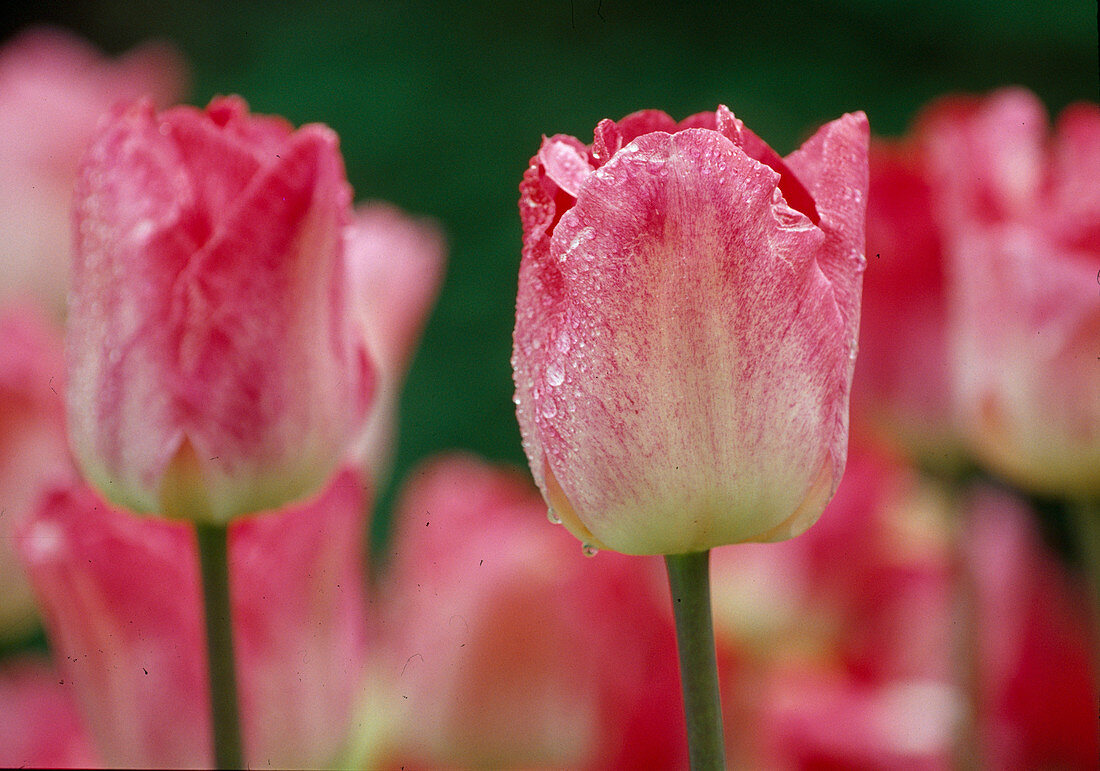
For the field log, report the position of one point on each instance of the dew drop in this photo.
(553, 516)
(589, 550)
(555, 374)
(549, 407)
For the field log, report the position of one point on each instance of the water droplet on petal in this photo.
(589, 550)
(549, 407)
(553, 516)
(555, 374)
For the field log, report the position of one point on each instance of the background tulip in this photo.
(904, 325)
(503, 647)
(686, 328)
(34, 452)
(39, 723)
(53, 89)
(214, 366)
(1019, 211)
(396, 266)
(849, 646)
(122, 604)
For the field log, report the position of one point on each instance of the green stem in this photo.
(689, 579)
(1086, 522)
(214, 566)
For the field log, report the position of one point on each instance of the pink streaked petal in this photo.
(565, 161)
(626, 360)
(133, 200)
(259, 350)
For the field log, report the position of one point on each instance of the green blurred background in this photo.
(440, 105)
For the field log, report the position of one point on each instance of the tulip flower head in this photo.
(214, 365)
(686, 328)
(1019, 205)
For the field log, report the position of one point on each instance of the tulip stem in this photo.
(214, 565)
(1086, 518)
(689, 580)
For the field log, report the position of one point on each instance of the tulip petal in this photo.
(683, 342)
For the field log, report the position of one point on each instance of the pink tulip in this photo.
(122, 603)
(215, 368)
(1021, 217)
(903, 328)
(39, 723)
(505, 648)
(849, 646)
(1036, 681)
(686, 328)
(34, 452)
(396, 265)
(53, 89)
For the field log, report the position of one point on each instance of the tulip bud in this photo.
(686, 328)
(214, 365)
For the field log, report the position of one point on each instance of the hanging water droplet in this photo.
(553, 516)
(555, 374)
(589, 550)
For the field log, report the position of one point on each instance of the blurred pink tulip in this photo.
(1036, 680)
(39, 723)
(686, 328)
(215, 368)
(842, 647)
(122, 603)
(396, 265)
(902, 385)
(53, 89)
(507, 648)
(34, 452)
(1021, 216)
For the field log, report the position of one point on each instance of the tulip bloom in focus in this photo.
(123, 609)
(501, 647)
(53, 89)
(215, 367)
(686, 328)
(1020, 212)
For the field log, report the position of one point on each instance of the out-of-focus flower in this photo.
(505, 647)
(852, 646)
(215, 368)
(34, 452)
(122, 604)
(54, 87)
(902, 387)
(686, 328)
(1037, 693)
(1021, 217)
(396, 265)
(39, 723)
